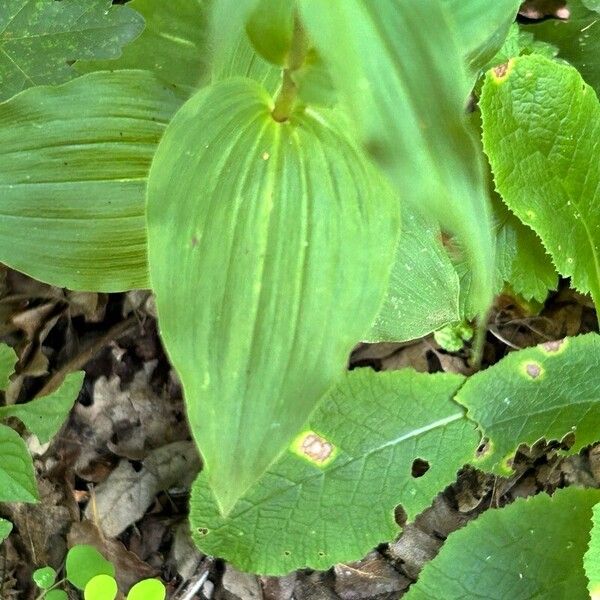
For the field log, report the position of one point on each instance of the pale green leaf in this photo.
(259, 298)
(423, 292)
(83, 563)
(8, 360)
(545, 392)
(330, 497)
(39, 39)
(541, 125)
(591, 559)
(481, 26)
(148, 589)
(101, 587)
(45, 416)
(17, 478)
(406, 87)
(530, 549)
(5, 529)
(173, 45)
(578, 38)
(73, 166)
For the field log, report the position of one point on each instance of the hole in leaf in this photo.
(321, 553)
(483, 449)
(419, 467)
(202, 531)
(400, 516)
(287, 553)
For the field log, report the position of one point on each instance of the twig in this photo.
(197, 581)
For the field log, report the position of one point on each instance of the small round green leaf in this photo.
(270, 29)
(44, 578)
(101, 587)
(56, 595)
(85, 562)
(149, 589)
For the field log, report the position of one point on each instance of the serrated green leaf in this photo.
(331, 496)
(173, 45)
(545, 392)
(406, 88)
(45, 416)
(5, 529)
(481, 26)
(44, 578)
(578, 38)
(17, 478)
(73, 166)
(521, 260)
(424, 289)
(8, 360)
(530, 549)
(541, 124)
(259, 299)
(83, 563)
(591, 559)
(39, 39)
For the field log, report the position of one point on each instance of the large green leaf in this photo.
(591, 560)
(331, 496)
(406, 88)
(578, 38)
(423, 292)
(260, 299)
(173, 45)
(5, 529)
(45, 416)
(73, 166)
(530, 549)
(541, 125)
(40, 39)
(545, 392)
(17, 478)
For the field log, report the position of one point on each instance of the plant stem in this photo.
(286, 98)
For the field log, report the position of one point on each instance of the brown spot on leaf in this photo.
(553, 346)
(501, 70)
(316, 448)
(533, 370)
(194, 241)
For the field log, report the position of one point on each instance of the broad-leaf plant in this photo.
(290, 178)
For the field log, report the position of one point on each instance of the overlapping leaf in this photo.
(259, 299)
(17, 478)
(591, 560)
(530, 549)
(424, 288)
(45, 416)
(541, 125)
(40, 39)
(5, 529)
(73, 166)
(406, 87)
(173, 45)
(330, 496)
(538, 393)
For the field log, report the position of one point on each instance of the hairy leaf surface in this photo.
(424, 289)
(578, 38)
(39, 39)
(591, 560)
(73, 166)
(173, 45)
(260, 299)
(17, 478)
(330, 497)
(541, 125)
(538, 393)
(530, 549)
(45, 416)
(406, 88)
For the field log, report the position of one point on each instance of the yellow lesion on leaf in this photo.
(501, 72)
(314, 448)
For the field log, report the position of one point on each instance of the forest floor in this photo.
(101, 478)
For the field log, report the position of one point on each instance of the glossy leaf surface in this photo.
(39, 39)
(541, 125)
(259, 299)
(45, 416)
(545, 392)
(424, 289)
(73, 167)
(173, 45)
(17, 478)
(406, 88)
(331, 495)
(530, 549)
